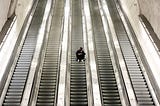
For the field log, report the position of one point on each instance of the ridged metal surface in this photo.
(50, 69)
(138, 81)
(78, 84)
(17, 84)
(108, 84)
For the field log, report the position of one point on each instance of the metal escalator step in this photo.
(143, 96)
(142, 93)
(77, 82)
(74, 78)
(79, 103)
(79, 100)
(46, 87)
(112, 98)
(78, 93)
(12, 100)
(45, 97)
(78, 87)
(139, 83)
(48, 81)
(47, 90)
(16, 87)
(78, 77)
(106, 74)
(45, 94)
(11, 104)
(16, 84)
(20, 64)
(109, 84)
(112, 105)
(109, 91)
(79, 96)
(137, 73)
(112, 102)
(79, 90)
(13, 93)
(13, 97)
(109, 88)
(20, 73)
(77, 67)
(141, 89)
(145, 103)
(48, 78)
(44, 104)
(106, 79)
(78, 72)
(45, 100)
(21, 70)
(138, 79)
(19, 78)
(15, 90)
(47, 84)
(105, 68)
(48, 75)
(110, 94)
(144, 99)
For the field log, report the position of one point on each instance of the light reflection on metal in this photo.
(94, 78)
(88, 75)
(63, 64)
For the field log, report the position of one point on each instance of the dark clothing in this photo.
(80, 54)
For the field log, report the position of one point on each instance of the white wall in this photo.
(22, 9)
(12, 7)
(4, 7)
(151, 10)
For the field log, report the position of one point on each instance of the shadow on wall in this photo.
(150, 9)
(150, 29)
(12, 8)
(7, 11)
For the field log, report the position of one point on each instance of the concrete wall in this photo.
(149, 8)
(12, 7)
(4, 7)
(20, 7)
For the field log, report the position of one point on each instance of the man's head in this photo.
(81, 48)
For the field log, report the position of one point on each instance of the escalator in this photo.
(108, 85)
(50, 68)
(141, 89)
(18, 80)
(78, 83)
